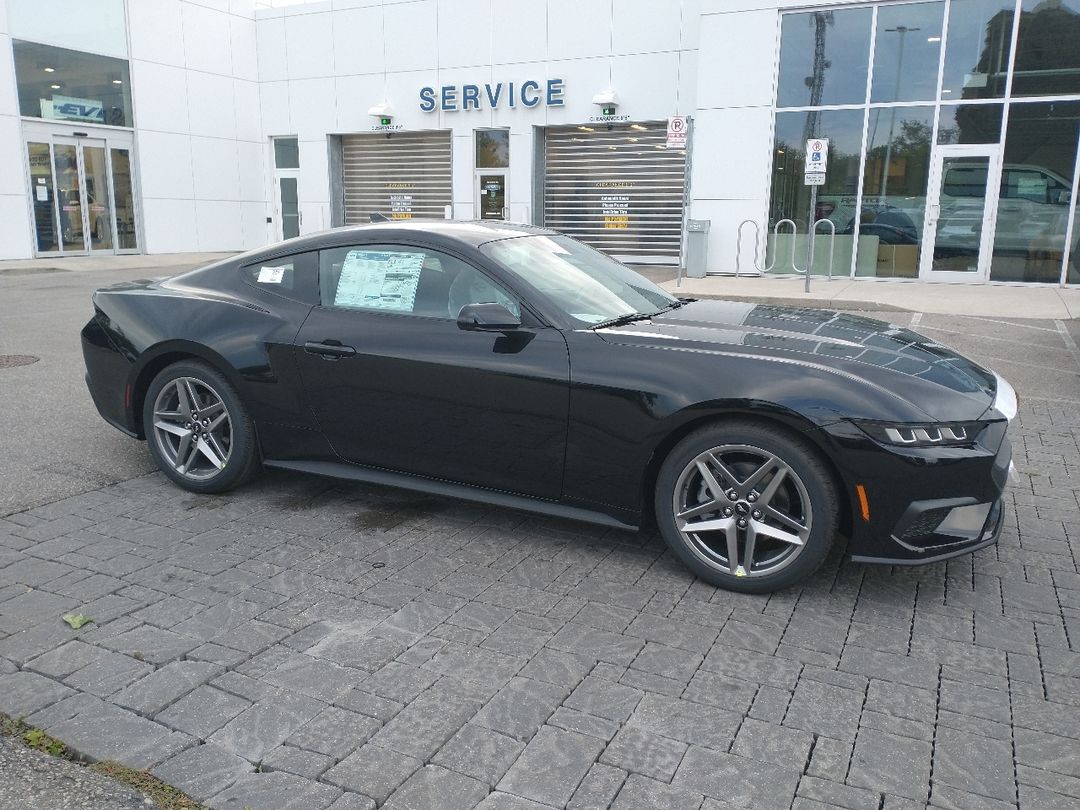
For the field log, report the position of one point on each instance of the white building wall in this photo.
(201, 158)
(733, 123)
(15, 227)
(214, 80)
(376, 51)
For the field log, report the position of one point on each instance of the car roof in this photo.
(472, 233)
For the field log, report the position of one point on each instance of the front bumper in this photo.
(923, 505)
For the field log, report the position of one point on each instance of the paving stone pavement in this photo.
(311, 644)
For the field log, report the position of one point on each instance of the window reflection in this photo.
(906, 52)
(1036, 191)
(836, 199)
(977, 50)
(1048, 48)
(492, 148)
(969, 123)
(823, 57)
(894, 191)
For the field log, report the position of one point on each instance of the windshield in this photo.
(584, 283)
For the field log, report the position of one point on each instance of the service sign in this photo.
(676, 132)
(493, 95)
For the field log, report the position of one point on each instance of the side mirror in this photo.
(487, 318)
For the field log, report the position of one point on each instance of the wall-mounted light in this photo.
(54, 86)
(383, 111)
(49, 70)
(117, 81)
(607, 100)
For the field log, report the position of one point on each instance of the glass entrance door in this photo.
(961, 201)
(492, 194)
(81, 195)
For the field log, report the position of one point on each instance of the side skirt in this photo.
(354, 472)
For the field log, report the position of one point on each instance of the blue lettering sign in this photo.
(470, 94)
(554, 92)
(449, 97)
(527, 87)
(531, 93)
(427, 99)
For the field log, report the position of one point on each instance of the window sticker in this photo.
(379, 279)
(272, 275)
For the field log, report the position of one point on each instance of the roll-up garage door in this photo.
(403, 176)
(619, 189)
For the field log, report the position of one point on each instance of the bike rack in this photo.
(757, 245)
(832, 242)
(757, 240)
(794, 231)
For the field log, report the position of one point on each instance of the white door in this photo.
(961, 204)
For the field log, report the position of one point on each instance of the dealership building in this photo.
(952, 127)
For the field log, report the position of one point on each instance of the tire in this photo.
(170, 409)
(791, 517)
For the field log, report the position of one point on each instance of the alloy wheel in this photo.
(742, 510)
(192, 428)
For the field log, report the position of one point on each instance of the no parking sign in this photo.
(676, 132)
(817, 158)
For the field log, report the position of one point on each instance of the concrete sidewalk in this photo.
(165, 261)
(982, 300)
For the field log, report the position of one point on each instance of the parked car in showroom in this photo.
(511, 365)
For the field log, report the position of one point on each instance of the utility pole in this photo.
(903, 31)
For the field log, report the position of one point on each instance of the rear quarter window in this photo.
(295, 277)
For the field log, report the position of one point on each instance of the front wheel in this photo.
(197, 429)
(746, 506)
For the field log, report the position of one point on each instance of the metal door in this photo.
(961, 206)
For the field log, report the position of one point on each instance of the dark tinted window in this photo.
(68, 85)
(293, 277)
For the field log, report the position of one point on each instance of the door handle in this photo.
(330, 349)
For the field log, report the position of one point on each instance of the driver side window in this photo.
(405, 281)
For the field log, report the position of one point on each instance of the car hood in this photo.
(933, 377)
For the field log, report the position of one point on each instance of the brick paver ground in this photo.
(304, 643)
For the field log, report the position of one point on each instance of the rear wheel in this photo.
(746, 506)
(197, 429)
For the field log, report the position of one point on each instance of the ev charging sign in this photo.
(817, 159)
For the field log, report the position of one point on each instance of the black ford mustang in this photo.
(514, 366)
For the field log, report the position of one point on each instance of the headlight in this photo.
(1006, 402)
(946, 434)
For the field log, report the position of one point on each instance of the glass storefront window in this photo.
(492, 148)
(286, 153)
(1036, 193)
(977, 50)
(42, 194)
(836, 199)
(823, 57)
(58, 84)
(894, 191)
(98, 209)
(125, 199)
(969, 123)
(69, 195)
(907, 51)
(1048, 48)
